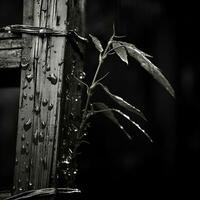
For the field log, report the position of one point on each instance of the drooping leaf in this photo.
(141, 57)
(110, 115)
(97, 43)
(120, 51)
(123, 103)
(134, 123)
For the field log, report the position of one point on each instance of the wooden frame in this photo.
(48, 65)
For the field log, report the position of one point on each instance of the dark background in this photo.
(112, 165)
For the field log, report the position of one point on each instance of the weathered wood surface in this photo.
(40, 96)
(67, 164)
(10, 52)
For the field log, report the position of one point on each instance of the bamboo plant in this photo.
(123, 50)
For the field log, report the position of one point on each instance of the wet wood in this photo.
(67, 168)
(50, 96)
(10, 53)
(40, 97)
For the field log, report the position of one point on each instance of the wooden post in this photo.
(46, 66)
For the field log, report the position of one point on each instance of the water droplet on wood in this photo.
(43, 124)
(81, 75)
(52, 78)
(29, 77)
(37, 110)
(50, 106)
(24, 64)
(45, 162)
(35, 137)
(16, 161)
(23, 149)
(41, 136)
(27, 168)
(24, 96)
(23, 137)
(30, 185)
(25, 85)
(27, 125)
(31, 97)
(45, 102)
(47, 68)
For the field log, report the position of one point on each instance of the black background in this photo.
(112, 165)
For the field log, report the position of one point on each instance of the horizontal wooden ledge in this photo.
(4, 194)
(6, 35)
(11, 44)
(10, 51)
(10, 58)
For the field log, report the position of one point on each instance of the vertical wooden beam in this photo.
(67, 163)
(40, 96)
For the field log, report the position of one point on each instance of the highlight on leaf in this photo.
(97, 43)
(104, 109)
(120, 51)
(108, 112)
(123, 103)
(141, 57)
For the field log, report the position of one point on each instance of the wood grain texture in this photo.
(40, 97)
(10, 52)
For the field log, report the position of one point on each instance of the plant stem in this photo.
(102, 57)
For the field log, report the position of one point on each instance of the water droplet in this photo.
(45, 162)
(76, 100)
(30, 185)
(23, 149)
(50, 106)
(61, 63)
(25, 85)
(45, 102)
(31, 97)
(24, 64)
(27, 167)
(23, 137)
(13, 188)
(16, 161)
(19, 181)
(75, 172)
(47, 68)
(35, 137)
(29, 77)
(27, 125)
(43, 124)
(24, 96)
(52, 78)
(37, 110)
(41, 136)
(82, 75)
(20, 189)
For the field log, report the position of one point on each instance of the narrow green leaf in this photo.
(97, 43)
(120, 51)
(141, 57)
(110, 115)
(123, 103)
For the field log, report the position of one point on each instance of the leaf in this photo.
(108, 112)
(110, 115)
(141, 57)
(123, 103)
(97, 43)
(120, 51)
(134, 123)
